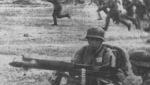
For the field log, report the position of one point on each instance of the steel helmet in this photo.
(95, 33)
(140, 58)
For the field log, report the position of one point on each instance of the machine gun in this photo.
(104, 72)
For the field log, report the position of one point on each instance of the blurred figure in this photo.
(116, 14)
(100, 4)
(57, 11)
(135, 10)
(140, 61)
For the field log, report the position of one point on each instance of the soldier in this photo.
(57, 11)
(97, 54)
(102, 7)
(140, 61)
(135, 11)
(100, 4)
(115, 15)
(134, 6)
(92, 54)
(119, 14)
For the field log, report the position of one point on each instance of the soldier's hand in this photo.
(133, 80)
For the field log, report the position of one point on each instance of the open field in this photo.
(27, 31)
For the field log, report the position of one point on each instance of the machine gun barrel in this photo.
(49, 64)
(63, 66)
(43, 64)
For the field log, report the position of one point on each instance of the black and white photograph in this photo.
(74, 42)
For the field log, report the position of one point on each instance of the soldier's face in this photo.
(95, 43)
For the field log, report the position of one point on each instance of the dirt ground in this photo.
(27, 30)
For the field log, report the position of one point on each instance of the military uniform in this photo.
(114, 13)
(134, 10)
(86, 56)
(103, 6)
(103, 56)
(140, 59)
(57, 11)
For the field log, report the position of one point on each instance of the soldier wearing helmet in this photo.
(140, 60)
(98, 55)
(95, 53)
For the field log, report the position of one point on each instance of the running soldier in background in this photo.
(100, 4)
(118, 13)
(114, 14)
(135, 9)
(57, 11)
(134, 6)
(102, 7)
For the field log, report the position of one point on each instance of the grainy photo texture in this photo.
(74, 42)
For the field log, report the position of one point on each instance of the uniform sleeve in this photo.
(128, 63)
(109, 59)
(77, 57)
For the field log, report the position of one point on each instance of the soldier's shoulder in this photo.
(107, 47)
(108, 50)
(113, 48)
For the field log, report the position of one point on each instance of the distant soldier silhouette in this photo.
(100, 4)
(57, 11)
(119, 14)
